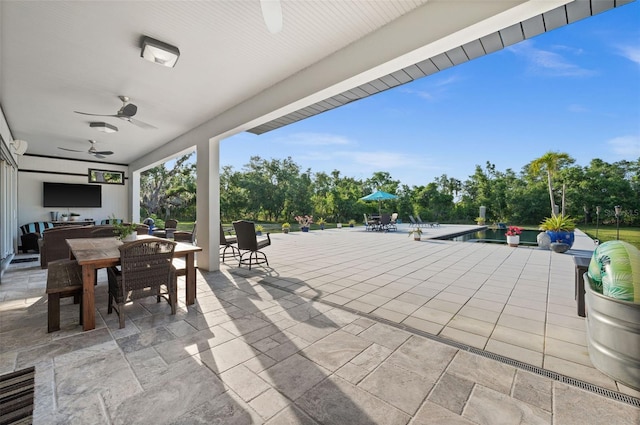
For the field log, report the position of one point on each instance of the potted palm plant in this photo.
(286, 227)
(321, 222)
(259, 229)
(560, 229)
(352, 223)
(416, 232)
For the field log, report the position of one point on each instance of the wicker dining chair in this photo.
(145, 270)
(249, 243)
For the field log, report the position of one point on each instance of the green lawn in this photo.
(608, 233)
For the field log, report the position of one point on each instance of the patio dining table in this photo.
(97, 253)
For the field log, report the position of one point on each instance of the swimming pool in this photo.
(528, 237)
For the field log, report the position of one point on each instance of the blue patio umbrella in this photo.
(379, 196)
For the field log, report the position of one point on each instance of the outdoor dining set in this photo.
(381, 222)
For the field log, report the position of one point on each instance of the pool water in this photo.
(528, 237)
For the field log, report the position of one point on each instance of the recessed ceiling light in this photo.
(104, 127)
(158, 52)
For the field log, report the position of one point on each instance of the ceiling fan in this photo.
(272, 15)
(126, 113)
(92, 150)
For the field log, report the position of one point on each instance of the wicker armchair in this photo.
(184, 236)
(249, 243)
(146, 270)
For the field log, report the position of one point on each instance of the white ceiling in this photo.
(57, 57)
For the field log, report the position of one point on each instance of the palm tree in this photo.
(551, 162)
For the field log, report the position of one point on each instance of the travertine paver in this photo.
(251, 351)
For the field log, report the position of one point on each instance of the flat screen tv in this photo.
(72, 195)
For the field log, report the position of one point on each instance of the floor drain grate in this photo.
(506, 360)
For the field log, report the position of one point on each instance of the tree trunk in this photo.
(553, 204)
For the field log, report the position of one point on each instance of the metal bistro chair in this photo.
(146, 270)
(227, 242)
(248, 242)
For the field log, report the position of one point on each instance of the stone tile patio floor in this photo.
(336, 331)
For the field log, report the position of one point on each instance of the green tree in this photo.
(168, 188)
(550, 163)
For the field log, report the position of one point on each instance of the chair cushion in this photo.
(36, 227)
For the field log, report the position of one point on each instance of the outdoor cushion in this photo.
(31, 233)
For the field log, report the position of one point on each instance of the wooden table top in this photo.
(105, 252)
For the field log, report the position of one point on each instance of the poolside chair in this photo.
(249, 243)
(422, 223)
(385, 222)
(394, 219)
(413, 223)
(369, 224)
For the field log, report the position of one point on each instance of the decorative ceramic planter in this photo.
(513, 240)
(258, 232)
(562, 236)
(285, 230)
(304, 229)
(322, 227)
(559, 247)
(339, 225)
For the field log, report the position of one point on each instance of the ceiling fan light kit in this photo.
(104, 127)
(19, 146)
(158, 52)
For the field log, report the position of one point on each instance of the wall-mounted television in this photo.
(71, 195)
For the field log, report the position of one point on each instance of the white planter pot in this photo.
(339, 225)
(513, 240)
(131, 237)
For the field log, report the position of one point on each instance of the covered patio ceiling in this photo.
(233, 74)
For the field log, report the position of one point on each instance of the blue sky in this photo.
(575, 89)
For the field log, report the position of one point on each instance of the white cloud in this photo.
(626, 146)
(315, 139)
(577, 108)
(547, 62)
(437, 87)
(630, 52)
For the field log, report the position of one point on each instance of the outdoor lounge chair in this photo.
(145, 270)
(413, 223)
(249, 243)
(228, 242)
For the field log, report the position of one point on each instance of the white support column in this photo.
(134, 195)
(208, 203)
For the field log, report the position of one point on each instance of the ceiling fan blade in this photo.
(98, 156)
(94, 115)
(272, 15)
(102, 153)
(70, 150)
(140, 124)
